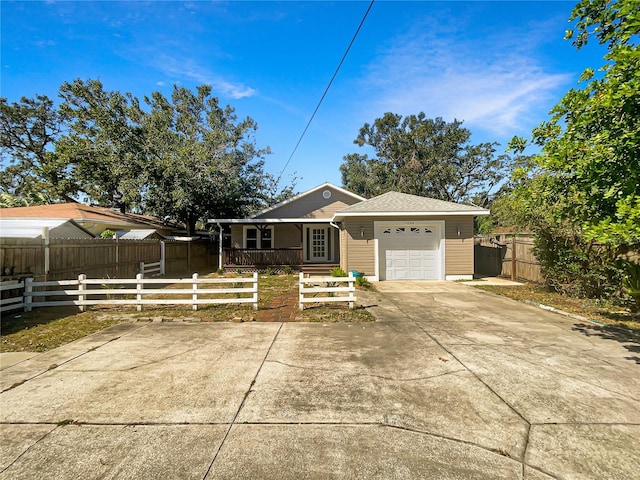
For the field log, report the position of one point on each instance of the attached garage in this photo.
(410, 251)
(397, 236)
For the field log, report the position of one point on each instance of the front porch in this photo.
(278, 260)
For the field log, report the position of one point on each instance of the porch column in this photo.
(220, 248)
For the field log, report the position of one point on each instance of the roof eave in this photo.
(473, 213)
(266, 220)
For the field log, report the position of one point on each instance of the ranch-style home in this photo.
(394, 236)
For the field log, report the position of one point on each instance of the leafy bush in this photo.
(631, 281)
(573, 266)
(287, 270)
(220, 271)
(270, 271)
(362, 282)
(338, 272)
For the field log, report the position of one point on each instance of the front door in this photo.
(317, 244)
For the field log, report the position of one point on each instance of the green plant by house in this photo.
(108, 234)
(220, 271)
(338, 272)
(362, 282)
(288, 270)
(270, 271)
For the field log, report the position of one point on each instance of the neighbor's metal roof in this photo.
(32, 227)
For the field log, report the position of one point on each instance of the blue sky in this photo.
(498, 66)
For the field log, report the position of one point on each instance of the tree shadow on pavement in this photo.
(629, 339)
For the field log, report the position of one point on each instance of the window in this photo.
(254, 238)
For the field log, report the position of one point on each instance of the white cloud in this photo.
(184, 68)
(495, 84)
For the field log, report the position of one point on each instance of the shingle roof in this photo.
(403, 203)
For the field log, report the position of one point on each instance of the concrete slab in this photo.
(8, 359)
(120, 451)
(170, 373)
(353, 452)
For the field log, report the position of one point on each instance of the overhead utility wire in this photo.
(325, 91)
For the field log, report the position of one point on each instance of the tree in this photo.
(590, 145)
(32, 172)
(105, 143)
(582, 195)
(203, 163)
(421, 156)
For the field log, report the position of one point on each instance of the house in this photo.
(91, 218)
(394, 236)
(35, 228)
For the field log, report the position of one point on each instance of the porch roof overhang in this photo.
(262, 221)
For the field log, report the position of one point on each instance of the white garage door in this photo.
(410, 252)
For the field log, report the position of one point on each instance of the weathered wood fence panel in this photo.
(507, 256)
(97, 257)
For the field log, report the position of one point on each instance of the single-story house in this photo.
(394, 236)
(91, 218)
(36, 227)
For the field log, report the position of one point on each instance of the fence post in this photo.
(352, 289)
(195, 291)
(513, 258)
(28, 298)
(139, 288)
(46, 240)
(255, 290)
(162, 253)
(300, 286)
(81, 288)
(141, 269)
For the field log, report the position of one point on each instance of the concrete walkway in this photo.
(449, 383)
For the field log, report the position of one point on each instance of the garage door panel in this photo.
(410, 251)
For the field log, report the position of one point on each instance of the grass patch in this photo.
(605, 311)
(47, 328)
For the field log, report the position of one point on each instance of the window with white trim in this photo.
(255, 238)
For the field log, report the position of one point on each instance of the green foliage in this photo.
(631, 281)
(338, 272)
(220, 271)
(421, 156)
(108, 234)
(270, 271)
(575, 266)
(288, 270)
(581, 195)
(362, 282)
(202, 161)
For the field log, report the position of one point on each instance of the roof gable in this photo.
(322, 201)
(396, 203)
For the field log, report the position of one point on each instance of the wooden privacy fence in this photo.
(507, 256)
(64, 258)
(312, 294)
(139, 291)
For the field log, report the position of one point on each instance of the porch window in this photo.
(254, 238)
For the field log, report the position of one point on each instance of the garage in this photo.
(410, 251)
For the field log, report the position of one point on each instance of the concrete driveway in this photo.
(449, 383)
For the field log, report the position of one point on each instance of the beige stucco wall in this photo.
(358, 252)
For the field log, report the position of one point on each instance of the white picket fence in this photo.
(84, 292)
(312, 287)
(156, 268)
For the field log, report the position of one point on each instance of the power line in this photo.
(326, 91)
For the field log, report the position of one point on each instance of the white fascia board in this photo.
(474, 213)
(303, 194)
(267, 220)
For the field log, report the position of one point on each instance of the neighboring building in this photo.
(93, 219)
(392, 236)
(35, 227)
